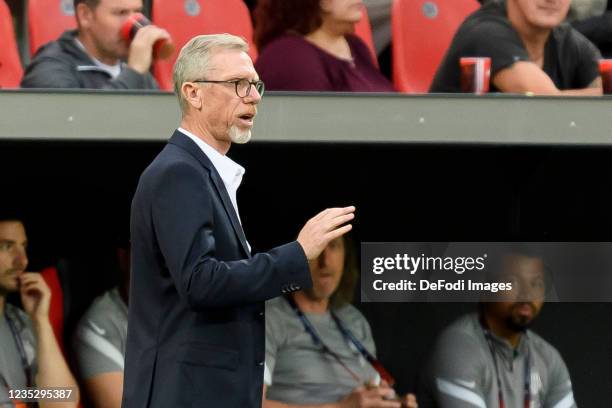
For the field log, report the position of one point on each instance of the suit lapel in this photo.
(182, 141)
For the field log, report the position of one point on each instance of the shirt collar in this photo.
(503, 345)
(112, 70)
(231, 172)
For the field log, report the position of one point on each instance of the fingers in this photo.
(31, 277)
(333, 212)
(141, 49)
(334, 217)
(324, 227)
(382, 397)
(338, 232)
(340, 219)
(149, 34)
(320, 215)
(410, 401)
(30, 282)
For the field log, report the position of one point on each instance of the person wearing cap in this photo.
(491, 358)
(95, 56)
(531, 49)
(319, 347)
(30, 355)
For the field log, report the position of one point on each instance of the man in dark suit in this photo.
(196, 311)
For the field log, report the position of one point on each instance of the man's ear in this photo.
(84, 15)
(192, 94)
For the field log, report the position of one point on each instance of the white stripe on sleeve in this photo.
(461, 393)
(566, 402)
(102, 345)
(267, 375)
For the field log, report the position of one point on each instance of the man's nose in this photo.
(322, 260)
(254, 96)
(20, 258)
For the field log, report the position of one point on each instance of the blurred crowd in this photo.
(535, 47)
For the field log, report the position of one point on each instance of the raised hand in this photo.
(324, 227)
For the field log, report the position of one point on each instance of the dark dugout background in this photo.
(75, 198)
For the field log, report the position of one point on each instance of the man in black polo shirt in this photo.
(530, 47)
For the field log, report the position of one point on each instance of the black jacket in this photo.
(63, 64)
(196, 328)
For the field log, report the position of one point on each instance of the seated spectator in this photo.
(298, 371)
(308, 45)
(491, 358)
(29, 353)
(99, 341)
(93, 55)
(530, 50)
(593, 18)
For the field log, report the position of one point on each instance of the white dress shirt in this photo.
(231, 172)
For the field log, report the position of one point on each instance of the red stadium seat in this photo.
(56, 308)
(422, 31)
(10, 64)
(47, 20)
(185, 19)
(363, 30)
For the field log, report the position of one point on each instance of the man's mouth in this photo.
(525, 309)
(548, 9)
(247, 119)
(13, 274)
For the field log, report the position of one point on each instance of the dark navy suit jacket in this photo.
(196, 308)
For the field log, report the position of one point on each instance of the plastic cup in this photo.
(162, 49)
(605, 70)
(475, 74)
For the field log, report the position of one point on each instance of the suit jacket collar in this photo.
(182, 141)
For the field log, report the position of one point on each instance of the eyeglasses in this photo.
(243, 86)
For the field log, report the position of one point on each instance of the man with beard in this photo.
(196, 322)
(491, 358)
(29, 353)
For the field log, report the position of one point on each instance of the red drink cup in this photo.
(475, 74)
(605, 70)
(162, 49)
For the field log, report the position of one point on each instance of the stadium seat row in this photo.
(421, 32)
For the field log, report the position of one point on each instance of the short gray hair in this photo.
(194, 59)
